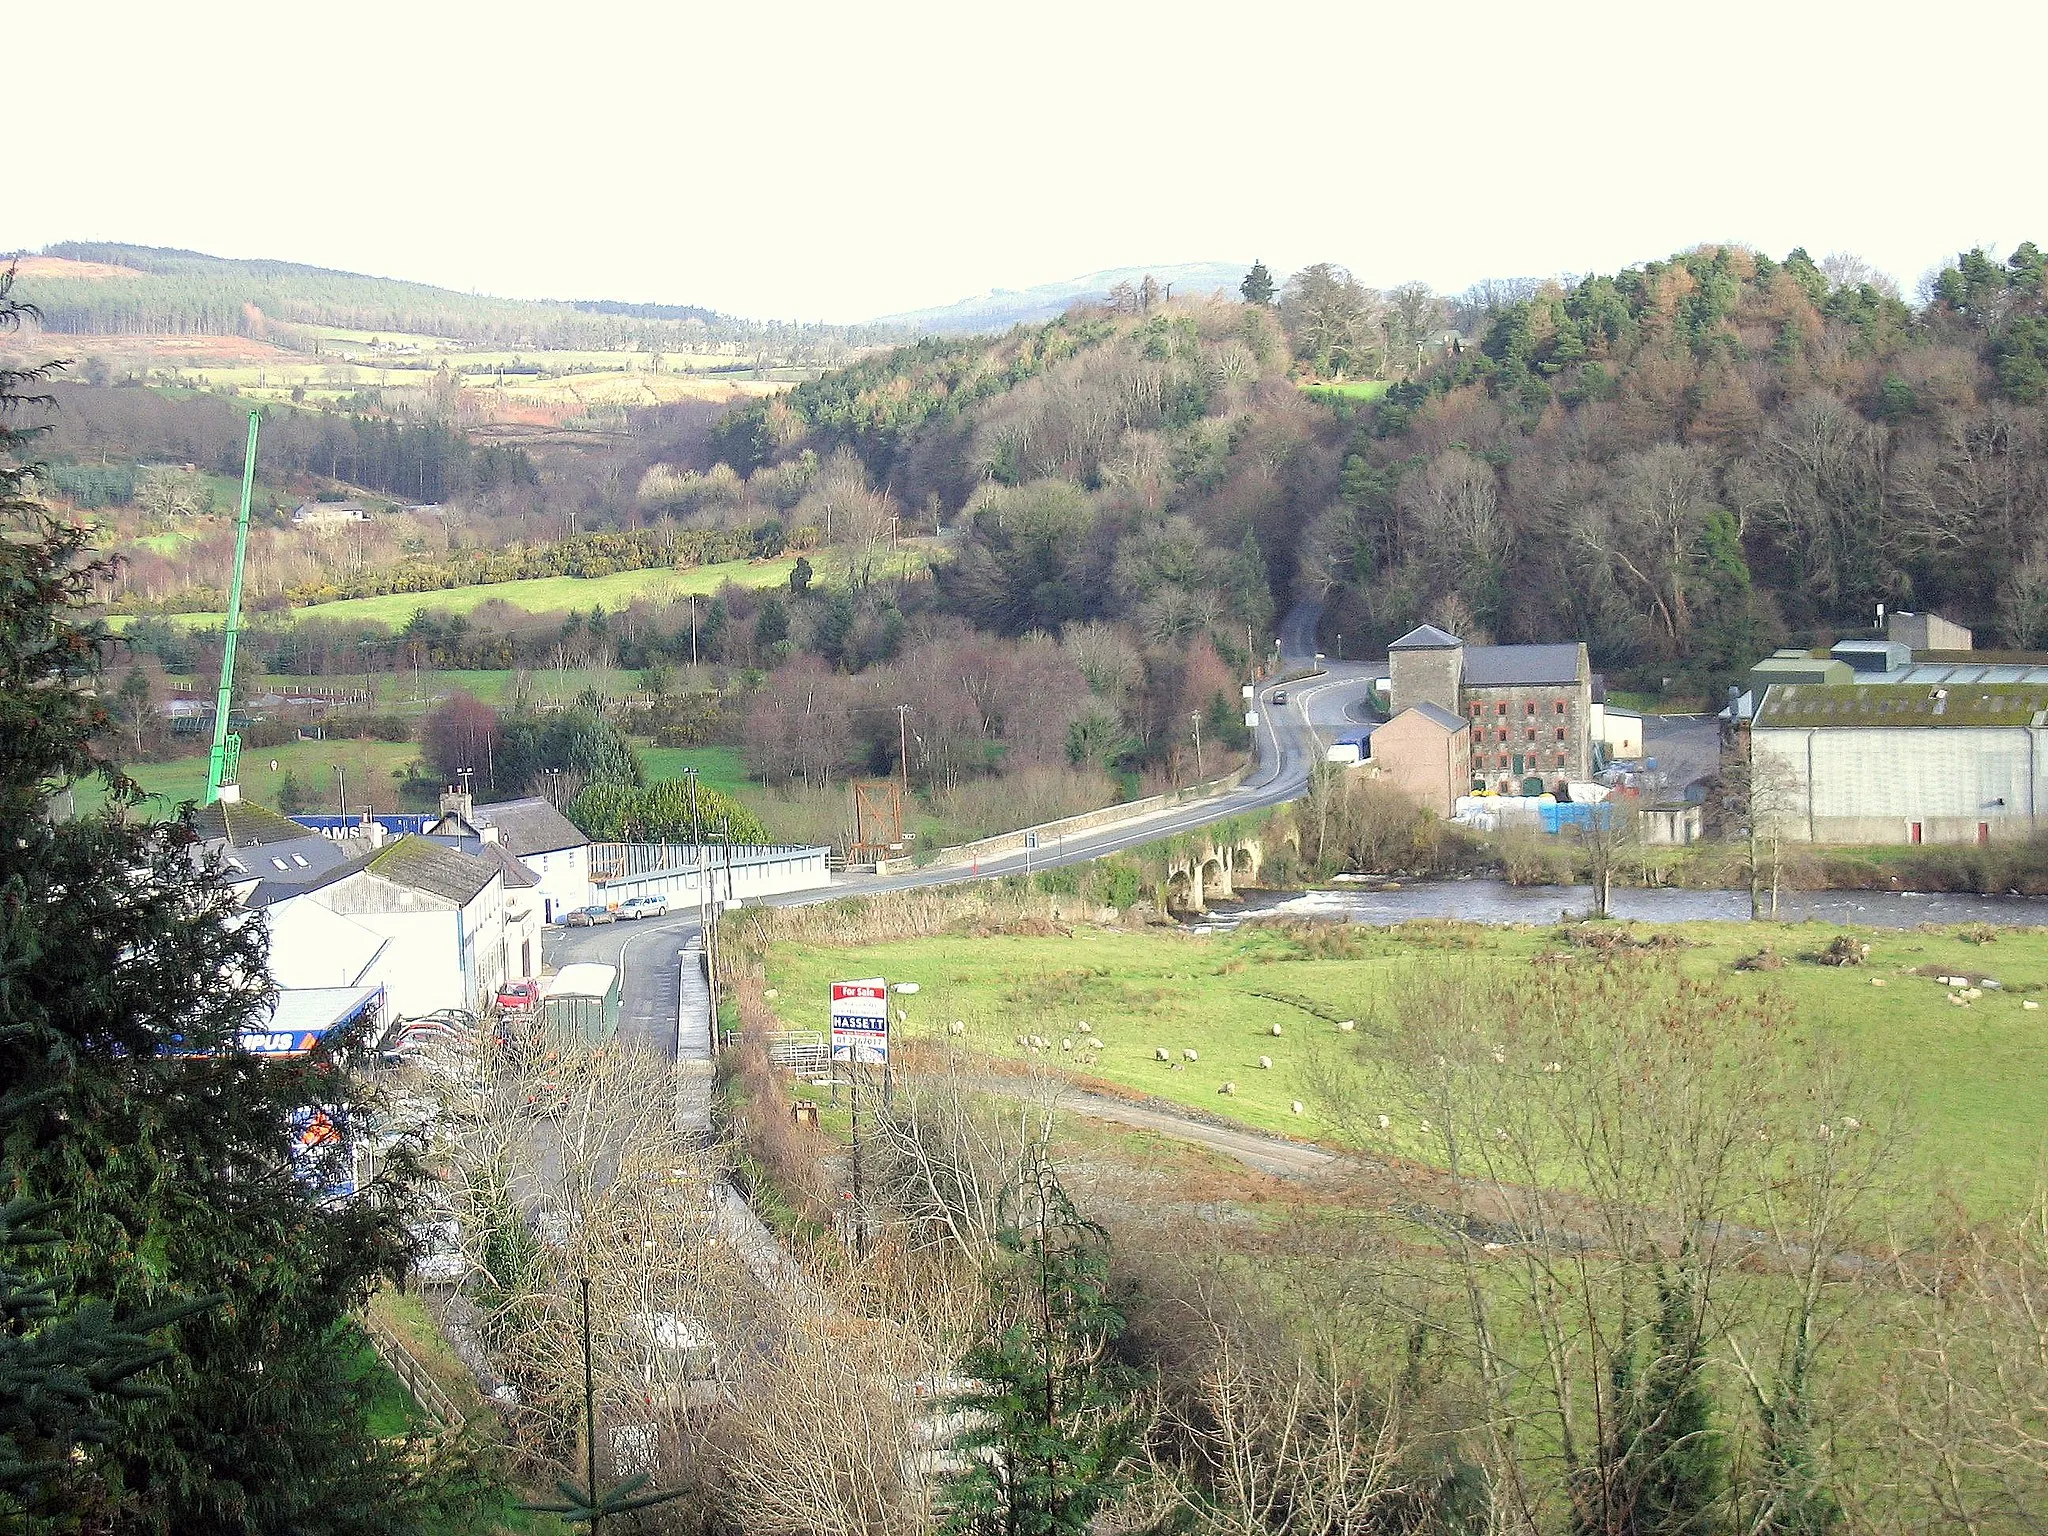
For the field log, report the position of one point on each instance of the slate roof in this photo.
(243, 824)
(430, 867)
(296, 862)
(1867, 705)
(1436, 713)
(1426, 637)
(531, 826)
(1492, 666)
(517, 876)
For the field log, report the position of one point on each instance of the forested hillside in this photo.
(1689, 461)
(147, 290)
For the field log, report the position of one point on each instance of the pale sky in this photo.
(838, 161)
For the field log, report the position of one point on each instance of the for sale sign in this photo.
(860, 1021)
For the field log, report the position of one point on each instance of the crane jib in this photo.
(223, 766)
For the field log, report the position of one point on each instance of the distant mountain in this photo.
(1001, 308)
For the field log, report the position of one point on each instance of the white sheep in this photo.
(957, 1027)
(1266, 1063)
(1066, 1045)
(771, 994)
(1228, 1088)
(1276, 1029)
(1385, 1123)
(1159, 1053)
(1295, 1107)
(1191, 1055)
(1085, 1027)
(1020, 1040)
(1347, 1026)
(2029, 1004)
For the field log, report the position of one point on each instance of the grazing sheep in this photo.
(1385, 1123)
(1266, 1062)
(1347, 1026)
(1295, 1107)
(771, 994)
(1276, 1029)
(1020, 1040)
(2029, 1004)
(1228, 1088)
(1159, 1053)
(1879, 981)
(1066, 1045)
(1191, 1056)
(1085, 1027)
(957, 1027)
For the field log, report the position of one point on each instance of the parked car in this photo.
(518, 996)
(589, 917)
(1280, 696)
(643, 906)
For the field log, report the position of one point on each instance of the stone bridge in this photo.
(1209, 869)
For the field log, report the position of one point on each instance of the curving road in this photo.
(1291, 737)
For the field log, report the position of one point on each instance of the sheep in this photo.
(1347, 1026)
(1276, 1030)
(1228, 1088)
(1159, 1053)
(1295, 1107)
(1385, 1123)
(1020, 1040)
(1085, 1027)
(770, 995)
(1192, 1055)
(1067, 1044)
(2029, 1004)
(1266, 1063)
(1879, 981)
(957, 1027)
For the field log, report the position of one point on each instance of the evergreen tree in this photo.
(1053, 1415)
(149, 1156)
(1257, 287)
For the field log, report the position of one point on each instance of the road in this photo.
(1290, 738)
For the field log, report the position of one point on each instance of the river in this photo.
(1495, 901)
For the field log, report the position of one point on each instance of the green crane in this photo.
(223, 767)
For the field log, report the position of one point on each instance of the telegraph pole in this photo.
(903, 744)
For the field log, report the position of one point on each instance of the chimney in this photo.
(457, 802)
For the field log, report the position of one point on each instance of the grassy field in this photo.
(717, 767)
(1351, 389)
(368, 767)
(547, 594)
(1976, 1078)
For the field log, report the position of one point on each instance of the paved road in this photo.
(1290, 738)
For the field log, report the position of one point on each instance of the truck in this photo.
(582, 1000)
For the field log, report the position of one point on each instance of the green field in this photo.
(547, 594)
(717, 768)
(368, 769)
(1352, 389)
(1975, 1078)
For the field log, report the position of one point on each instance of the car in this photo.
(589, 917)
(518, 996)
(1280, 696)
(643, 906)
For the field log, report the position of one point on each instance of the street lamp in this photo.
(1197, 718)
(340, 791)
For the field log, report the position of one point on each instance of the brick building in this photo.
(1529, 708)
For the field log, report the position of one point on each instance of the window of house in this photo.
(1560, 706)
(1560, 733)
(1530, 707)
(1502, 708)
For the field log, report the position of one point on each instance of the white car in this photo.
(643, 906)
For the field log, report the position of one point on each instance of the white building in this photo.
(425, 922)
(1904, 762)
(546, 842)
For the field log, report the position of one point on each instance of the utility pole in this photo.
(860, 1220)
(1197, 718)
(693, 631)
(340, 791)
(903, 744)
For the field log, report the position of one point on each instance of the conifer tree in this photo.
(1257, 286)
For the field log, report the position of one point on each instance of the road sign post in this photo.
(860, 1036)
(1030, 842)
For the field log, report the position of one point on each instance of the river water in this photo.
(1495, 901)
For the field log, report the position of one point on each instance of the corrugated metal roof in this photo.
(1499, 665)
(531, 826)
(1864, 705)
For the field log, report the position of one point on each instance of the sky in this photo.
(840, 161)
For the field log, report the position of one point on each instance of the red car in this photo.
(518, 996)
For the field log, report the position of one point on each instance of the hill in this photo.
(90, 288)
(1001, 308)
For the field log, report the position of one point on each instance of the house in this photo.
(432, 921)
(256, 844)
(1529, 708)
(1426, 752)
(329, 514)
(1945, 759)
(551, 846)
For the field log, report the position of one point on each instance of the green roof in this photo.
(1800, 705)
(425, 866)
